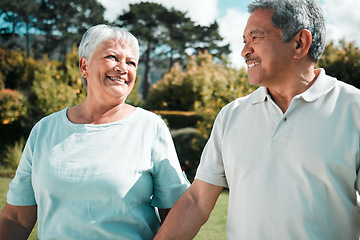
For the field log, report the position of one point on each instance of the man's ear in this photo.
(302, 42)
(83, 65)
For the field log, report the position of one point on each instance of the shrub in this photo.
(134, 97)
(13, 154)
(16, 70)
(189, 144)
(173, 92)
(13, 105)
(55, 87)
(342, 61)
(179, 119)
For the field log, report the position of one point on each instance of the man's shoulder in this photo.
(347, 88)
(257, 95)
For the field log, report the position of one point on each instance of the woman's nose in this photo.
(121, 68)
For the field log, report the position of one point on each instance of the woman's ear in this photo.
(302, 42)
(83, 65)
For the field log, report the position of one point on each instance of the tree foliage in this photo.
(57, 85)
(13, 105)
(55, 24)
(33, 89)
(204, 87)
(19, 14)
(16, 70)
(174, 92)
(342, 61)
(167, 35)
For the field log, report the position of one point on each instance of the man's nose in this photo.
(247, 50)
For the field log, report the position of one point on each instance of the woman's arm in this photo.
(17, 222)
(190, 212)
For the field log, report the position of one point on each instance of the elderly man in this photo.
(290, 151)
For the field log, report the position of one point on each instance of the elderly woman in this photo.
(99, 170)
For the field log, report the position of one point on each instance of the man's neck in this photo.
(283, 94)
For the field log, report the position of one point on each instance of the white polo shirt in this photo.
(293, 175)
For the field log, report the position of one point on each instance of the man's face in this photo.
(266, 55)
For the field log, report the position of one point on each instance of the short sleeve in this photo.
(211, 167)
(357, 183)
(169, 180)
(21, 192)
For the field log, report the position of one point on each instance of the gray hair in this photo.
(97, 35)
(291, 16)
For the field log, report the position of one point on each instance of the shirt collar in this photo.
(322, 85)
(259, 95)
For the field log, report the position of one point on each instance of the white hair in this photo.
(99, 34)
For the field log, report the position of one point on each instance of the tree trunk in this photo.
(147, 74)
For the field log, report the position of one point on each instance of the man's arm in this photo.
(190, 212)
(17, 222)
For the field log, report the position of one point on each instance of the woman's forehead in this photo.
(116, 45)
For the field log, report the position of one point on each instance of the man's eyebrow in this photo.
(255, 32)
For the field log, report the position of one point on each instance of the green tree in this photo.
(204, 87)
(167, 35)
(209, 39)
(65, 21)
(173, 92)
(19, 14)
(13, 105)
(342, 61)
(56, 24)
(14, 109)
(219, 83)
(57, 85)
(144, 21)
(134, 97)
(16, 70)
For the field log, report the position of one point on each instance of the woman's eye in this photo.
(132, 63)
(112, 57)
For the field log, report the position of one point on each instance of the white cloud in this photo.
(231, 28)
(202, 12)
(114, 8)
(342, 19)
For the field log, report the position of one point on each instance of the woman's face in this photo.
(111, 73)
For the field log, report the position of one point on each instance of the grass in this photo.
(214, 229)
(4, 187)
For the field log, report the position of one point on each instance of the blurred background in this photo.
(190, 64)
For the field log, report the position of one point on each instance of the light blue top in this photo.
(291, 175)
(98, 181)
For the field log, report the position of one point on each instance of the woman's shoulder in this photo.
(48, 122)
(148, 114)
(149, 118)
(53, 117)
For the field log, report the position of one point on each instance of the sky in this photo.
(342, 18)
